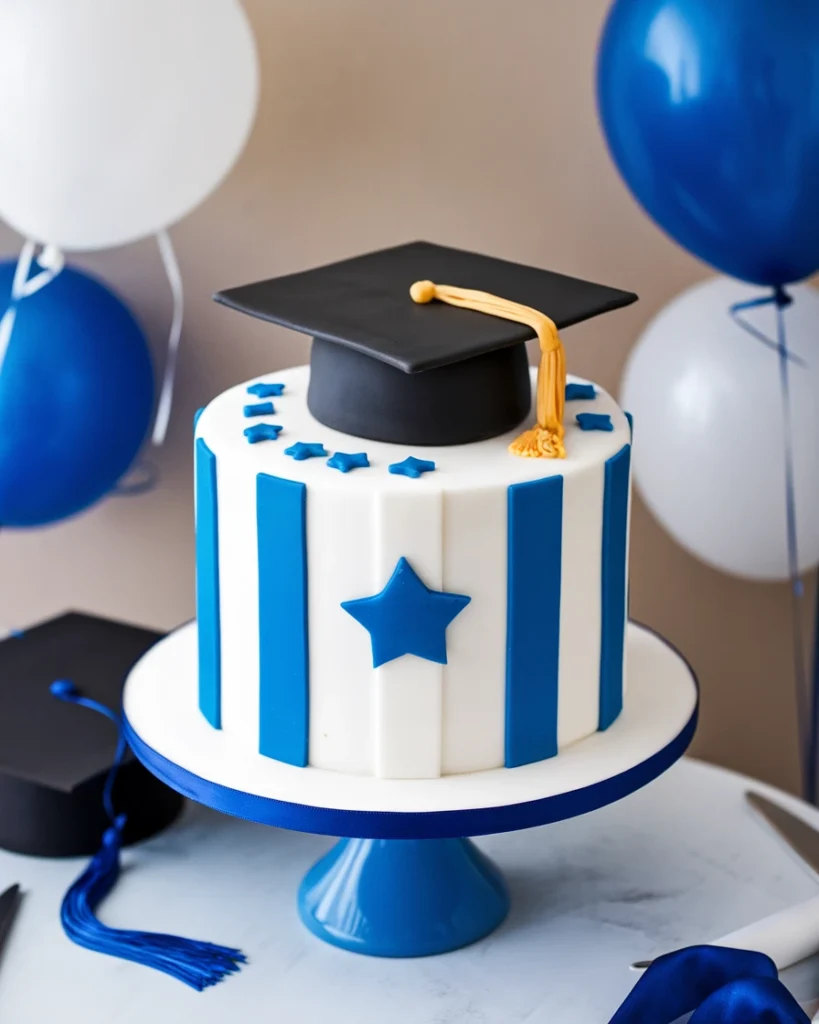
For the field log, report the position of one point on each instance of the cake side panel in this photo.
(238, 603)
(413, 717)
(407, 691)
(341, 539)
(474, 679)
(580, 605)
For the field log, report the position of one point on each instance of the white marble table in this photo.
(678, 862)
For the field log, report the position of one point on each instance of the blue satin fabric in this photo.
(720, 986)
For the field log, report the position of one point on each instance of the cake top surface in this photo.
(363, 304)
(224, 422)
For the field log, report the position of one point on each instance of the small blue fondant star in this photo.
(407, 617)
(594, 421)
(412, 467)
(263, 390)
(262, 432)
(575, 392)
(344, 462)
(259, 409)
(301, 451)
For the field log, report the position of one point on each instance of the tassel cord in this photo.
(196, 963)
(65, 690)
(545, 440)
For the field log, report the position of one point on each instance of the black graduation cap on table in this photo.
(385, 368)
(54, 756)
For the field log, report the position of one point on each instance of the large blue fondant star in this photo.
(344, 462)
(412, 467)
(407, 617)
(301, 451)
(594, 421)
(264, 390)
(259, 409)
(262, 432)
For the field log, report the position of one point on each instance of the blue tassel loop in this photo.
(198, 964)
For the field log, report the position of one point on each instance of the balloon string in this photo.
(140, 479)
(51, 262)
(806, 713)
(813, 749)
(766, 300)
(171, 265)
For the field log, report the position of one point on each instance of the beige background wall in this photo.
(470, 122)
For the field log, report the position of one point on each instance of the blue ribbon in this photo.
(807, 713)
(715, 984)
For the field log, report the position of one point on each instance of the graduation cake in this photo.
(412, 554)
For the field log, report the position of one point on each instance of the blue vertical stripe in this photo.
(613, 592)
(535, 534)
(207, 585)
(283, 653)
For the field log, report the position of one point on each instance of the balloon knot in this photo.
(781, 297)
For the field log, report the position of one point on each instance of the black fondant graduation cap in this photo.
(383, 367)
(54, 756)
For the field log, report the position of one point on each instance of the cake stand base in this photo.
(403, 897)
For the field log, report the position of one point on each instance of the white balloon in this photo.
(117, 117)
(708, 428)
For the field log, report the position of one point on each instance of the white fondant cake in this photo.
(533, 661)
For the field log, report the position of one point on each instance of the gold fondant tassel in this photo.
(545, 439)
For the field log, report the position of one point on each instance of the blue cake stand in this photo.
(403, 881)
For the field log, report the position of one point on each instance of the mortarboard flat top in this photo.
(54, 756)
(363, 304)
(386, 368)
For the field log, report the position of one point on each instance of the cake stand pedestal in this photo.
(403, 881)
(403, 897)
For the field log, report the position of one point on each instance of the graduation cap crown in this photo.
(427, 372)
(54, 759)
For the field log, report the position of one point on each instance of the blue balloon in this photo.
(76, 393)
(711, 112)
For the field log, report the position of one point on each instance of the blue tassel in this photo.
(198, 964)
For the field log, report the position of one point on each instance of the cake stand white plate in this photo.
(406, 883)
